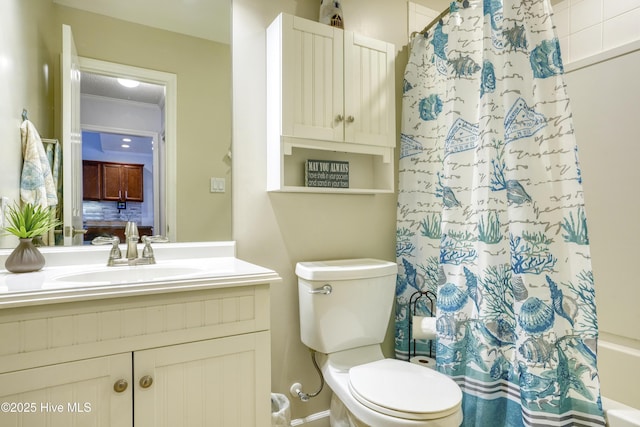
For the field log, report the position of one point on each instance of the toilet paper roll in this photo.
(423, 328)
(427, 362)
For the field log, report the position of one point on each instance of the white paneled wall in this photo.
(588, 27)
(420, 16)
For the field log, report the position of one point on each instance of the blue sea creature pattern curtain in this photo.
(491, 218)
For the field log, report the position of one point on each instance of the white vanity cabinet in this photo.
(64, 394)
(207, 383)
(329, 90)
(184, 358)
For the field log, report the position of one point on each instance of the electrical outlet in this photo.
(217, 185)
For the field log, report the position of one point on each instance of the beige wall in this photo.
(27, 66)
(278, 230)
(32, 40)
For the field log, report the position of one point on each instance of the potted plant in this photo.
(25, 223)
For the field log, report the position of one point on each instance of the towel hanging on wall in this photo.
(36, 182)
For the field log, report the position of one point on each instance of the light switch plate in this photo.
(217, 185)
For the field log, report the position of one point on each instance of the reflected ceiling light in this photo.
(126, 139)
(128, 82)
(125, 146)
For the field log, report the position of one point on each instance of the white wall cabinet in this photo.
(329, 90)
(198, 358)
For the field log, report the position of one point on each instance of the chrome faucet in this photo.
(131, 237)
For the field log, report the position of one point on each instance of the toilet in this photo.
(345, 306)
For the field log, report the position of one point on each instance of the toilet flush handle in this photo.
(325, 290)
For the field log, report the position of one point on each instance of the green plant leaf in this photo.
(30, 221)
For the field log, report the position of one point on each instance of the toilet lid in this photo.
(404, 390)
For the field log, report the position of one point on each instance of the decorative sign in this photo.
(326, 173)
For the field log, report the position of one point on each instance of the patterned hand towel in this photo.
(36, 182)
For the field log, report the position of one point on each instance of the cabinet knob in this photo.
(146, 381)
(351, 119)
(120, 386)
(339, 118)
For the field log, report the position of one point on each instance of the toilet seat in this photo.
(404, 390)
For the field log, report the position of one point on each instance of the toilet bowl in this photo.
(345, 307)
(393, 393)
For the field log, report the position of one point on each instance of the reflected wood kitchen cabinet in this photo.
(91, 180)
(122, 182)
(112, 181)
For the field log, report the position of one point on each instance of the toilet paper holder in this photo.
(413, 307)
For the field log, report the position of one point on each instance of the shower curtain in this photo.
(491, 218)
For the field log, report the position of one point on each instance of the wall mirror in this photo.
(190, 40)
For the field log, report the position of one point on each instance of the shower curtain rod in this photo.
(465, 4)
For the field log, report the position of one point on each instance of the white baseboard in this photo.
(319, 419)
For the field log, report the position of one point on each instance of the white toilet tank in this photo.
(356, 310)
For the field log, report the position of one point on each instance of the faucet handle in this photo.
(115, 252)
(106, 240)
(147, 251)
(155, 239)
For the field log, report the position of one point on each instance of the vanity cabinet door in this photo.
(214, 383)
(69, 394)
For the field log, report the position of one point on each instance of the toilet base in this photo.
(337, 378)
(339, 415)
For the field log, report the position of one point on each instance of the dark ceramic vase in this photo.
(25, 258)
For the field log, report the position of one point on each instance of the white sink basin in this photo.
(112, 275)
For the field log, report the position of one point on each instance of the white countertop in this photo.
(76, 274)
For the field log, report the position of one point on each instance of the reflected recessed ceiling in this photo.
(113, 142)
(106, 86)
(206, 19)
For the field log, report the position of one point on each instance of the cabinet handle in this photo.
(146, 381)
(339, 118)
(120, 386)
(351, 119)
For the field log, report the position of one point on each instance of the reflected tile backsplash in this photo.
(108, 211)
